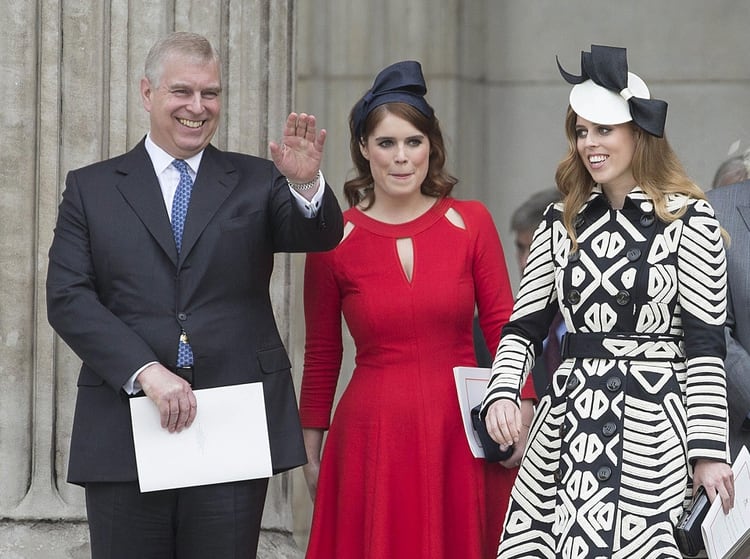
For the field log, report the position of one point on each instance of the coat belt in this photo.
(622, 345)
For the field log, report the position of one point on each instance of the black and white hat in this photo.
(606, 93)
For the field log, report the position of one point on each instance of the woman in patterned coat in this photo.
(636, 415)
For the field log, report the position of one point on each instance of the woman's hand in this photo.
(716, 478)
(503, 422)
(527, 416)
(311, 471)
(313, 445)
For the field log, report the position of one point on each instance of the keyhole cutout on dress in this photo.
(405, 249)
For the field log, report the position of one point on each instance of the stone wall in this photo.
(70, 73)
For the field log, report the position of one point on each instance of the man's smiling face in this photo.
(185, 105)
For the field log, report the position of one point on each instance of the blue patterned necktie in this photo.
(179, 212)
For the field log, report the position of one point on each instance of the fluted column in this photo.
(70, 86)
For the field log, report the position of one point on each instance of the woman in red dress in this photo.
(397, 478)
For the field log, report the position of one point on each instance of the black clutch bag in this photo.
(492, 452)
(688, 530)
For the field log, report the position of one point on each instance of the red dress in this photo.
(397, 478)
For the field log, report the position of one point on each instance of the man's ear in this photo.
(146, 92)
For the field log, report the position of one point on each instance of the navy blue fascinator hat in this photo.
(401, 82)
(606, 93)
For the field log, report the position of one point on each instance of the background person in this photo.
(524, 221)
(636, 414)
(158, 279)
(732, 171)
(732, 206)
(397, 479)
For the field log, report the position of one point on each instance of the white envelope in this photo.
(471, 383)
(228, 441)
(724, 533)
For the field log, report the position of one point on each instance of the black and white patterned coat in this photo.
(641, 392)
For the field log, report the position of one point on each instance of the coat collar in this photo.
(742, 196)
(139, 185)
(637, 203)
(216, 179)
(745, 213)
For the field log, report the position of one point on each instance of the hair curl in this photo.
(655, 167)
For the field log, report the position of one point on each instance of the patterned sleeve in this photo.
(323, 341)
(701, 282)
(494, 294)
(533, 312)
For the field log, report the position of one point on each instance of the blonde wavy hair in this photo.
(655, 167)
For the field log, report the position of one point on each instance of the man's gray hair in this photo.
(180, 42)
(528, 215)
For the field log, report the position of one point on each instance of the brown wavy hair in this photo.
(437, 183)
(655, 167)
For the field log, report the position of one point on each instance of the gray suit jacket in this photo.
(119, 294)
(732, 206)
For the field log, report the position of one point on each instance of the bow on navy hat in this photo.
(607, 67)
(401, 82)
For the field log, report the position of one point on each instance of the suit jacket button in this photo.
(633, 254)
(181, 316)
(558, 475)
(622, 297)
(604, 473)
(574, 297)
(647, 220)
(613, 384)
(609, 428)
(572, 382)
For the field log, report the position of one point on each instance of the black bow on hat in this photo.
(608, 67)
(401, 82)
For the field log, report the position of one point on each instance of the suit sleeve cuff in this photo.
(310, 208)
(132, 386)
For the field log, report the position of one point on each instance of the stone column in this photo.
(71, 70)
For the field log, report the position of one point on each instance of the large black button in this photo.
(604, 473)
(574, 256)
(622, 297)
(579, 222)
(181, 316)
(574, 297)
(572, 383)
(558, 475)
(647, 220)
(614, 384)
(609, 428)
(633, 254)
(563, 430)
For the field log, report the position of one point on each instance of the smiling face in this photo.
(184, 105)
(607, 152)
(399, 156)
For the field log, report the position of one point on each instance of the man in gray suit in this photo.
(732, 206)
(158, 279)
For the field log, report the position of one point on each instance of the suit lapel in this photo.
(745, 213)
(216, 179)
(140, 187)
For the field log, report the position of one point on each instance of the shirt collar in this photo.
(161, 160)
